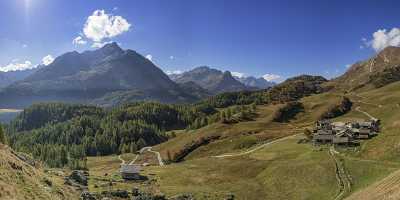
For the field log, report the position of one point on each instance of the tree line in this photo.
(65, 134)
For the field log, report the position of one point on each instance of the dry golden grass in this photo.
(21, 181)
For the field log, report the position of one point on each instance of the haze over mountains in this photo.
(7, 78)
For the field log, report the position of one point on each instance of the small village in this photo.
(344, 134)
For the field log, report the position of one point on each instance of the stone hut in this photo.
(130, 172)
(345, 136)
(323, 136)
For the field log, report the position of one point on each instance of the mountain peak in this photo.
(111, 48)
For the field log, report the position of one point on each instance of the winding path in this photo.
(134, 160)
(342, 177)
(149, 149)
(160, 161)
(365, 113)
(122, 160)
(255, 149)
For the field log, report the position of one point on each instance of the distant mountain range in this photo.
(7, 78)
(106, 76)
(110, 76)
(252, 81)
(212, 80)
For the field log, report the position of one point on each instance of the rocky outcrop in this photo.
(78, 179)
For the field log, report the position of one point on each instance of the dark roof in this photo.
(134, 169)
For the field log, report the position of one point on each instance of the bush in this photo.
(288, 111)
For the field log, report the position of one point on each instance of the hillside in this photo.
(269, 168)
(20, 180)
(259, 157)
(254, 140)
(378, 71)
(213, 80)
(108, 73)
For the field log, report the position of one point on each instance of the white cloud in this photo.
(101, 25)
(47, 60)
(238, 74)
(149, 57)
(171, 57)
(174, 72)
(348, 66)
(79, 41)
(272, 77)
(100, 44)
(24, 46)
(15, 66)
(383, 38)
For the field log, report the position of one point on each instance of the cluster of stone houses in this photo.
(340, 133)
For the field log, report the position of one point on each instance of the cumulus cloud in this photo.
(383, 38)
(101, 25)
(100, 44)
(238, 74)
(272, 77)
(17, 66)
(174, 72)
(47, 60)
(171, 57)
(149, 57)
(79, 41)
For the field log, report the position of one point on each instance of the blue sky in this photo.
(254, 37)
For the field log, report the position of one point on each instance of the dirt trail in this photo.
(122, 160)
(149, 149)
(134, 160)
(358, 109)
(255, 149)
(342, 176)
(160, 161)
(363, 102)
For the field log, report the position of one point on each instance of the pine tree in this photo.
(2, 135)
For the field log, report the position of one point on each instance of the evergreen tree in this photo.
(2, 135)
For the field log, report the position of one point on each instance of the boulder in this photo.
(87, 196)
(80, 177)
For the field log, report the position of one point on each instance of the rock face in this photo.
(82, 77)
(212, 80)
